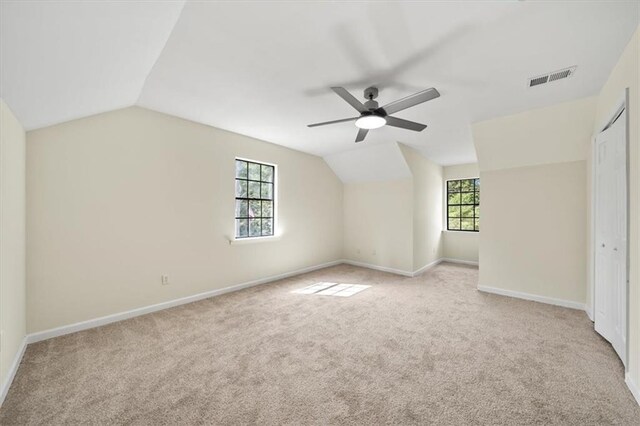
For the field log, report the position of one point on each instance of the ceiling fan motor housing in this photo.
(371, 105)
(371, 93)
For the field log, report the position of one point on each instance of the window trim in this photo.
(250, 240)
(446, 205)
(261, 238)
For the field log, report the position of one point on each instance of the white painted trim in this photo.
(277, 233)
(591, 282)
(12, 370)
(446, 231)
(589, 311)
(533, 297)
(252, 240)
(622, 105)
(427, 267)
(462, 262)
(97, 322)
(635, 390)
(408, 273)
(84, 325)
(444, 199)
(378, 268)
(108, 319)
(462, 178)
(622, 102)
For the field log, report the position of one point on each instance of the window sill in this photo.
(253, 240)
(460, 232)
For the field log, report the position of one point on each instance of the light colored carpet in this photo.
(430, 349)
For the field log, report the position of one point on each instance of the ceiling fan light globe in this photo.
(370, 122)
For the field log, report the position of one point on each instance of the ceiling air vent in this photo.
(553, 76)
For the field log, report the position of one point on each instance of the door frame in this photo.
(622, 106)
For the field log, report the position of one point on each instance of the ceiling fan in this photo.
(373, 117)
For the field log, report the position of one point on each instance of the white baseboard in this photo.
(12, 370)
(427, 267)
(533, 297)
(378, 268)
(462, 262)
(97, 322)
(589, 312)
(407, 273)
(84, 325)
(635, 390)
(392, 270)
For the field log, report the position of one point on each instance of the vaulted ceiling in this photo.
(263, 69)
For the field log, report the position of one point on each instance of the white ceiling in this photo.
(63, 60)
(263, 68)
(370, 163)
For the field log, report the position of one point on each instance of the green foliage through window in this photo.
(463, 205)
(254, 199)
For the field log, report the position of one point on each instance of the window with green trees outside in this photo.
(254, 199)
(463, 205)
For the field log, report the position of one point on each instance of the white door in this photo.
(611, 236)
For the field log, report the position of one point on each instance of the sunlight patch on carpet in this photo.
(332, 289)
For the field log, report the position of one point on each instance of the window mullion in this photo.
(463, 187)
(264, 170)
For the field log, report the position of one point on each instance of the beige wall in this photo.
(460, 245)
(118, 199)
(556, 134)
(12, 239)
(428, 187)
(461, 171)
(378, 223)
(533, 221)
(534, 200)
(396, 224)
(463, 246)
(627, 74)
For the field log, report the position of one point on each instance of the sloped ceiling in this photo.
(380, 162)
(556, 134)
(263, 68)
(62, 60)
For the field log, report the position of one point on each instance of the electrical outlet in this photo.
(165, 279)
